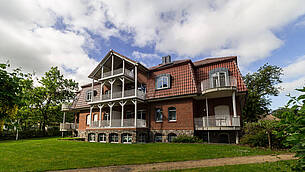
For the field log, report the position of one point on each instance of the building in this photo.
(128, 102)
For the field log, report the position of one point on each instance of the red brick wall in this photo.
(184, 115)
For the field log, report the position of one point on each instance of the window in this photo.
(114, 138)
(163, 81)
(172, 114)
(141, 114)
(142, 138)
(91, 137)
(159, 115)
(95, 117)
(88, 95)
(158, 137)
(219, 77)
(171, 137)
(88, 119)
(102, 137)
(126, 138)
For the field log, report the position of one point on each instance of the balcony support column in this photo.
(135, 112)
(112, 62)
(102, 72)
(92, 90)
(110, 106)
(234, 104)
(90, 124)
(100, 116)
(207, 110)
(123, 86)
(63, 121)
(123, 66)
(136, 80)
(237, 138)
(122, 103)
(111, 85)
(102, 89)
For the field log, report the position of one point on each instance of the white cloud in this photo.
(186, 28)
(147, 59)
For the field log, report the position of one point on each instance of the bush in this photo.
(258, 134)
(187, 139)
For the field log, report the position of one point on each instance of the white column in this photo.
(207, 110)
(100, 116)
(135, 112)
(111, 86)
(102, 72)
(237, 138)
(92, 92)
(234, 104)
(64, 118)
(112, 62)
(90, 124)
(110, 105)
(136, 80)
(122, 115)
(123, 85)
(123, 66)
(101, 93)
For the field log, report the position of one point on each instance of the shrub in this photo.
(261, 134)
(187, 139)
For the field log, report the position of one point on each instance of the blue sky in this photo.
(76, 34)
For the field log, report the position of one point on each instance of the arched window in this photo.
(102, 137)
(171, 137)
(91, 137)
(158, 137)
(114, 138)
(126, 138)
(172, 114)
(142, 138)
(95, 116)
(88, 118)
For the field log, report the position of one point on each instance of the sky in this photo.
(76, 34)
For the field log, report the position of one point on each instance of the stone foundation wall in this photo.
(165, 134)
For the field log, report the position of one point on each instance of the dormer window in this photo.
(219, 77)
(163, 81)
(89, 95)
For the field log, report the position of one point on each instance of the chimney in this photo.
(166, 59)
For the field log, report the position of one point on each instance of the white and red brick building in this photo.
(127, 102)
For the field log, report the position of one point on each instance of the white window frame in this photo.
(89, 95)
(111, 135)
(128, 138)
(172, 120)
(160, 120)
(89, 138)
(104, 136)
(217, 74)
(166, 77)
(88, 119)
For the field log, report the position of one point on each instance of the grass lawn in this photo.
(278, 166)
(53, 154)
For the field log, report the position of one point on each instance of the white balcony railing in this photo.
(116, 123)
(68, 126)
(118, 95)
(218, 121)
(211, 83)
(118, 71)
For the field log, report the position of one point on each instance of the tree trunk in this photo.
(269, 139)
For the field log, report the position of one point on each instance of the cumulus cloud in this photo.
(147, 59)
(32, 36)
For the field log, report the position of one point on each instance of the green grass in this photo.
(53, 154)
(278, 166)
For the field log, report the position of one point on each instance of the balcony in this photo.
(117, 95)
(116, 123)
(226, 84)
(117, 72)
(217, 123)
(68, 126)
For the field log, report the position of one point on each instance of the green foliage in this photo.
(187, 139)
(294, 128)
(261, 85)
(262, 134)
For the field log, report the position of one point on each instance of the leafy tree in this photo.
(294, 127)
(261, 85)
(48, 97)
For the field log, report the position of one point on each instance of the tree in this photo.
(294, 127)
(48, 97)
(261, 85)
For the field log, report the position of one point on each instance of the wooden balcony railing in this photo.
(118, 95)
(117, 72)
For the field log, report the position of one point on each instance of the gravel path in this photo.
(188, 164)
